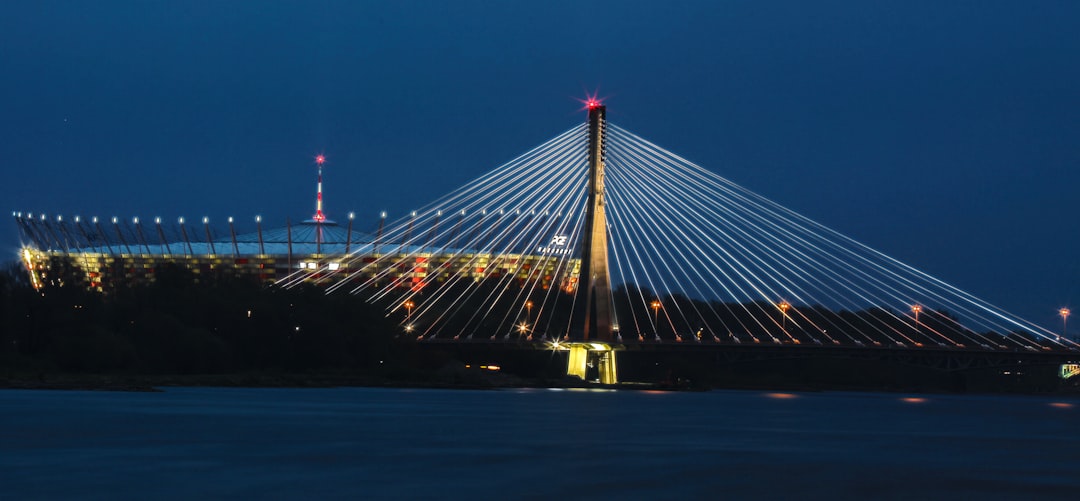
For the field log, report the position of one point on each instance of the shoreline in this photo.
(159, 383)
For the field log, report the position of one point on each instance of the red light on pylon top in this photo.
(591, 101)
(320, 159)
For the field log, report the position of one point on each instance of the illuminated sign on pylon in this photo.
(559, 244)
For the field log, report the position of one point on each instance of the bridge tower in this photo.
(594, 311)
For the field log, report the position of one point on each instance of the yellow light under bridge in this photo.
(586, 355)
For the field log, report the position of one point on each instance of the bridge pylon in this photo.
(593, 325)
(594, 311)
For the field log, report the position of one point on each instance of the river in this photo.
(370, 443)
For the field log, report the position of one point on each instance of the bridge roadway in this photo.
(804, 365)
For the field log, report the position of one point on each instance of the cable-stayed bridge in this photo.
(599, 238)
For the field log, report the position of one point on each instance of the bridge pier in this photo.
(584, 357)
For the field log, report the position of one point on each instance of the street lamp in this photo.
(784, 307)
(1064, 312)
(656, 315)
(408, 310)
(916, 309)
(528, 311)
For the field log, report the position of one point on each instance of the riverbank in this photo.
(151, 383)
(464, 380)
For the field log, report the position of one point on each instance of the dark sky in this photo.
(946, 134)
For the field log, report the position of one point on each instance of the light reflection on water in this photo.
(534, 444)
(781, 396)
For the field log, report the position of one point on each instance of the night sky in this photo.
(945, 134)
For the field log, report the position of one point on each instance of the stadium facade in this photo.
(115, 252)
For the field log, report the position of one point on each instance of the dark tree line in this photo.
(180, 325)
(717, 321)
(188, 324)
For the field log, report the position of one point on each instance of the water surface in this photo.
(365, 443)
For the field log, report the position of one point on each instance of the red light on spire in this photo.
(592, 104)
(319, 217)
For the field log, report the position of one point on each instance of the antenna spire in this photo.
(319, 216)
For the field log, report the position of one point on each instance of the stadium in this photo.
(117, 252)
